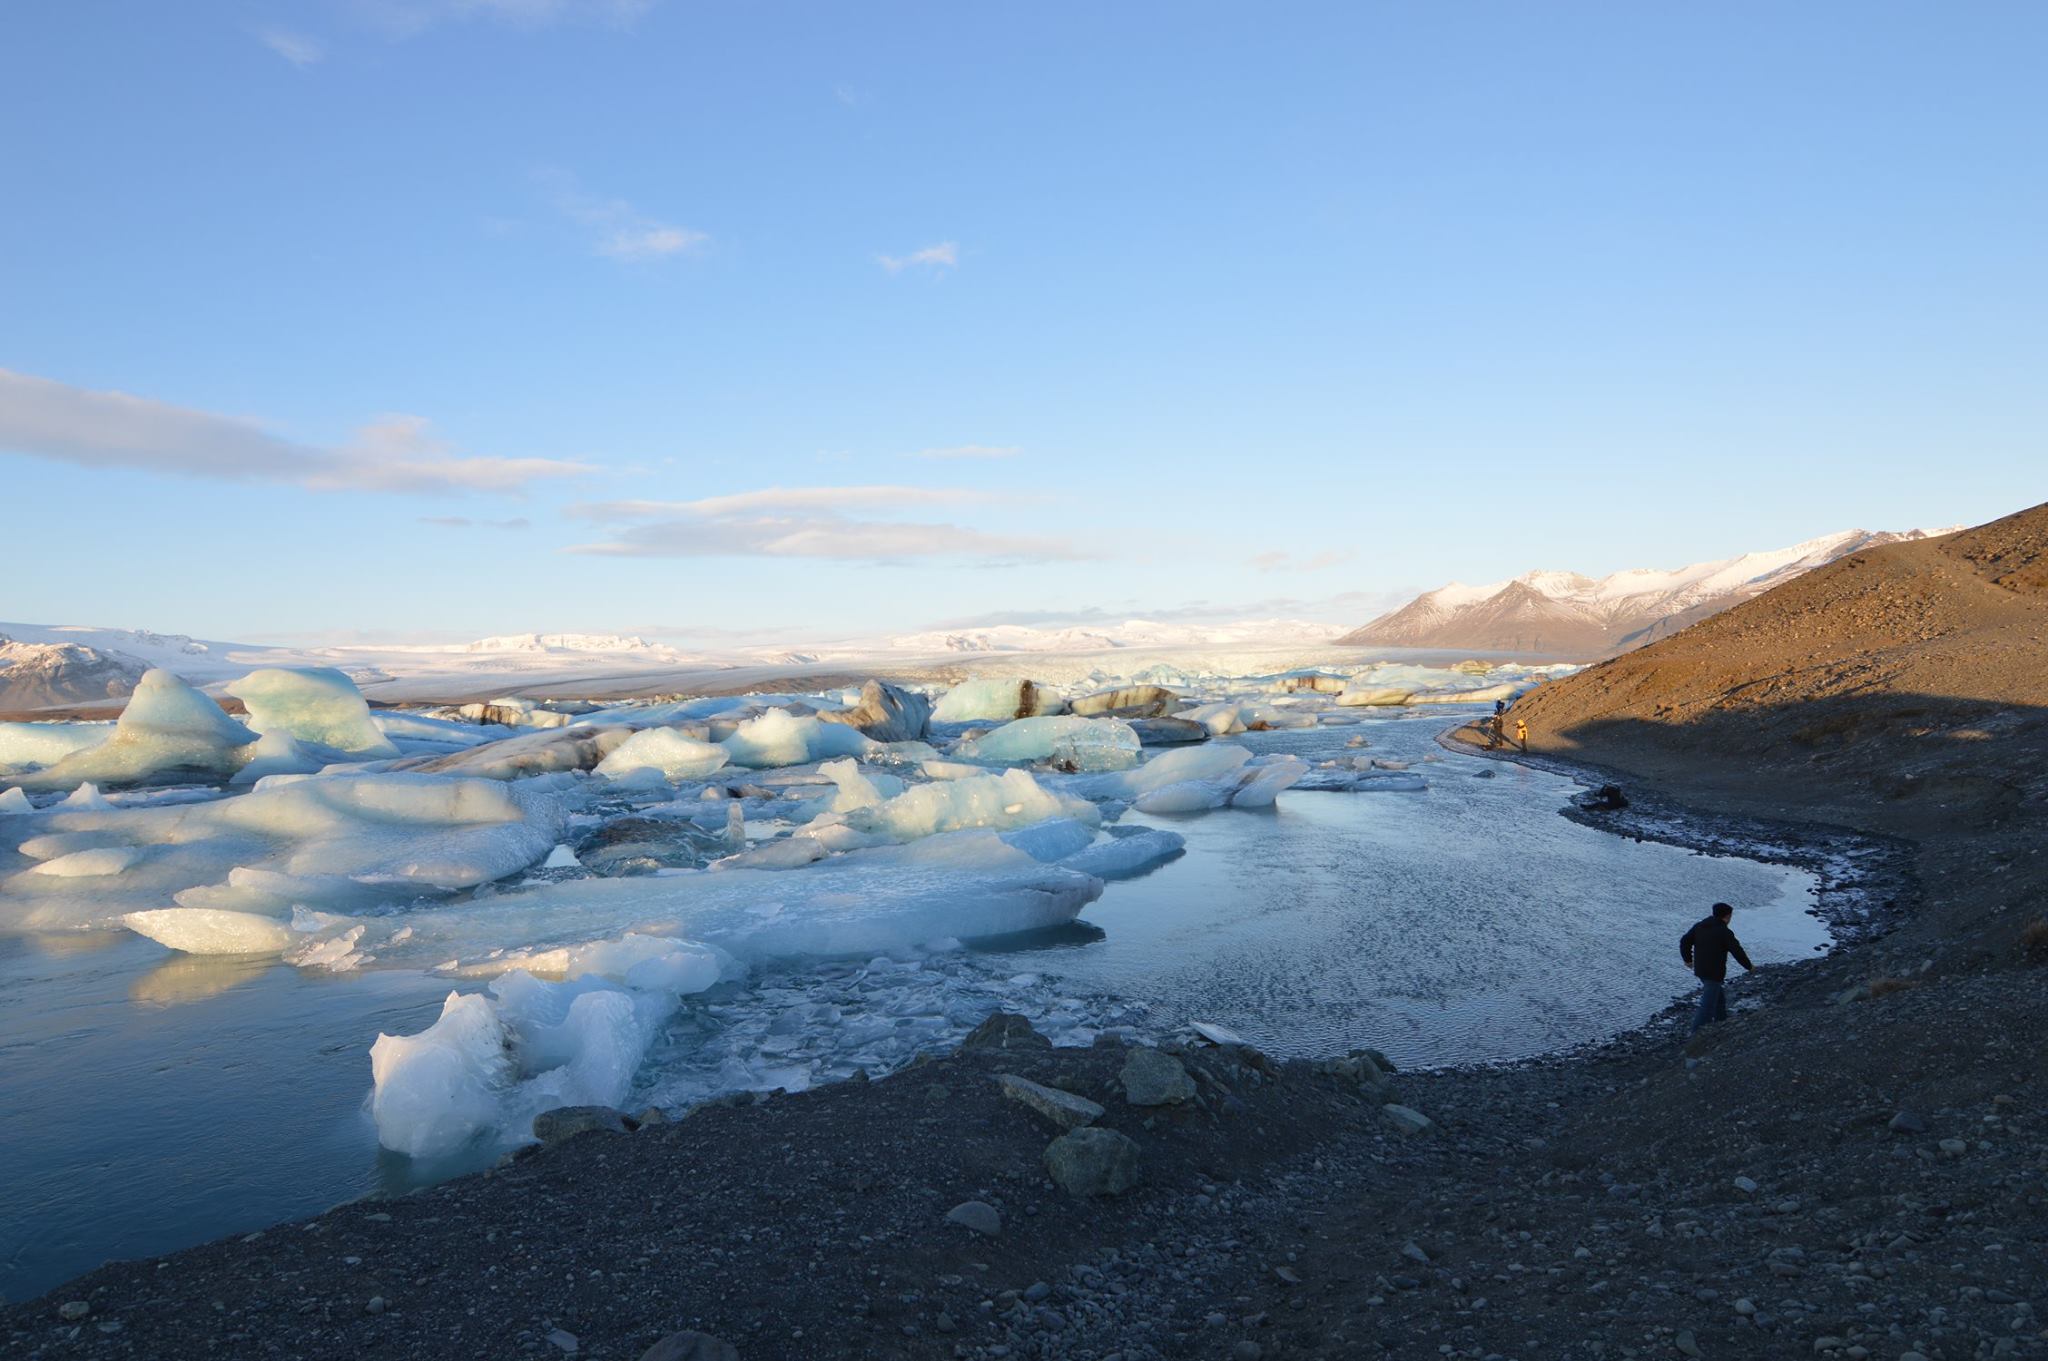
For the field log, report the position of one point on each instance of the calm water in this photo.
(150, 1101)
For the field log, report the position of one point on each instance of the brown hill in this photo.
(1904, 688)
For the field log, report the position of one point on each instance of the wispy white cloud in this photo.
(804, 522)
(405, 18)
(42, 418)
(619, 230)
(1294, 562)
(970, 451)
(464, 522)
(296, 48)
(780, 498)
(944, 255)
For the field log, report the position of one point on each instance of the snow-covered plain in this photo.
(592, 865)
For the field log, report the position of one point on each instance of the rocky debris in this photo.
(1064, 1109)
(1607, 798)
(510, 715)
(637, 844)
(73, 1310)
(691, 1346)
(566, 1122)
(539, 752)
(1367, 1068)
(1406, 1119)
(1905, 1122)
(1004, 1030)
(1093, 1162)
(1168, 732)
(885, 714)
(564, 1341)
(1151, 1078)
(977, 1215)
(1129, 701)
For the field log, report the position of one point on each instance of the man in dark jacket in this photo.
(1705, 949)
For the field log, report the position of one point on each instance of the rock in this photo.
(1607, 798)
(1130, 701)
(73, 1310)
(1406, 1119)
(1905, 1122)
(1954, 1148)
(1093, 1162)
(653, 1115)
(1064, 1109)
(1244, 1349)
(690, 1345)
(1687, 1344)
(375, 1306)
(1167, 732)
(1745, 1307)
(886, 714)
(1151, 1078)
(1005, 1030)
(1288, 1275)
(1359, 1066)
(977, 1215)
(1414, 1253)
(566, 1122)
(563, 1341)
(1745, 1185)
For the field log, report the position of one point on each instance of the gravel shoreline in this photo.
(1829, 1174)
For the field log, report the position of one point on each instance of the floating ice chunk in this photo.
(950, 770)
(89, 864)
(15, 801)
(492, 1063)
(1376, 696)
(979, 700)
(1206, 762)
(167, 729)
(86, 797)
(278, 753)
(1221, 719)
(861, 903)
(417, 731)
(1079, 743)
(314, 704)
(1484, 695)
(778, 738)
(1053, 839)
(1011, 799)
(676, 754)
(1127, 857)
(543, 752)
(561, 858)
(1255, 785)
(657, 962)
(787, 853)
(857, 789)
(206, 931)
(398, 834)
(23, 745)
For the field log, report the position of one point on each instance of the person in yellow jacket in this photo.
(1522, 733)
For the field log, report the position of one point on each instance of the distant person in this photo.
(1497, 729)
(1705, 949)
(1522, 733)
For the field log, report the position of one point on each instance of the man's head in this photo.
(1723, 911)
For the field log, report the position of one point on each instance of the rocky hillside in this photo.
(1900, 687)
(1565, 614)
(42, 675)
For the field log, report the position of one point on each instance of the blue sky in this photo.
(437, 318)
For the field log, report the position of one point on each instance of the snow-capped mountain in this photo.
(1569, 615)
(1131, 633)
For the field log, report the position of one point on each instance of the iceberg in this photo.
(779, 738)
(317, 705)
(168, 730)
(1127, 857)
(676, 754)
(545, 751)
(1254, 785)
(1010, 800)
(1081, 743)
(886, 713)
(334, 840)
(23, 745)
(980, 700)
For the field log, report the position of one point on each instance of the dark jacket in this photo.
(1707, 946)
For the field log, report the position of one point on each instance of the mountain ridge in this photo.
(1570, 614)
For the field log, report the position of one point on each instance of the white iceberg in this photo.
(168, 729)
(676, 754)
(315, 704)
(977, 701)
(1079, 743)
(779, 738)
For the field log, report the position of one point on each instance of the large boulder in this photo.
(886, 714)
(1093, 1161)
(1129, 701)
(1151, 1078)
(1064, 1109)
(1005, 1030)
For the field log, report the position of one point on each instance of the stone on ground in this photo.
(690, 1345)
(1064, 1109)
(1406, 1119)
(977, 1215)
(1151, 1078)
(566, 1122)
(1093, 1162)
(1005, 1030)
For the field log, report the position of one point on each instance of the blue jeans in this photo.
(1713, 1005)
